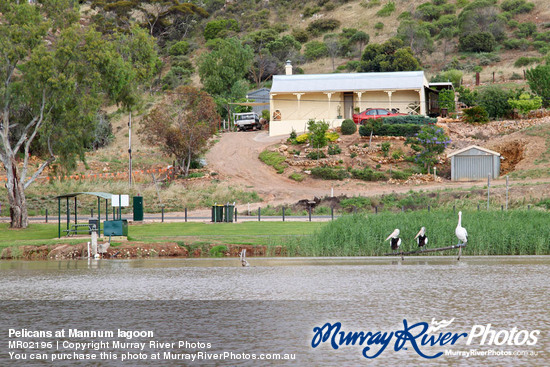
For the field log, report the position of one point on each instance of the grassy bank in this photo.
(489, 233)
(252, 233)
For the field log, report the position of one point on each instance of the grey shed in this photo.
(474, 163)
(261, 99)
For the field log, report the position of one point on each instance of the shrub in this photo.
(539, 82)
(477, 42)
(219, 28)
(322, 25)
(316, 154)
(429, 142)
(368, 174)
(390, 129)
(447, 100)
(386, 10)
(517, 6)
(348, 127)
(524, 61)
(218, 251)
(328, 173)
(334, 149)
(385, 148)
(475, 115)
(353, 155)
(526, 103)
(409, 119)
(315, 50)
(300, 35)
(332, 136)
(400, 175)
(274, 159)
(179, 48)
(495, 101)
(298, 177)
(317, 133)
(301, 139)
(397, 154)
(379, 25)
(515, 44)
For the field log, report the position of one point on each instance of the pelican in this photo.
(421, 238)
(395, 240)
(460, 231)
(242, 255)
(461, 234)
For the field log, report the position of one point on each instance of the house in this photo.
(259, 100)
(295, 99)
(474, 163)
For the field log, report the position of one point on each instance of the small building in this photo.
(259, 100)
(295, 99)
(474, 163)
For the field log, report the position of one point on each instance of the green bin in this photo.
(138, 208)
(229, 209)
(217, 213)
(115, 227)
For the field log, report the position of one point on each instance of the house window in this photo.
(277, 115)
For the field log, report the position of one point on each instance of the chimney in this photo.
(288, 68)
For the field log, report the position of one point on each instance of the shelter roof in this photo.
(104, 195)
(473, 147)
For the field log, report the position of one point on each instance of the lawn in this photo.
(262, 233)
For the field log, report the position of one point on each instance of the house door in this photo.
(348, 105)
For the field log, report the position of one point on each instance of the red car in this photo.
(374, 113)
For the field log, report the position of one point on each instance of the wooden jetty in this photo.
(422, 251)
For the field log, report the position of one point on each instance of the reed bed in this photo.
(489, 233)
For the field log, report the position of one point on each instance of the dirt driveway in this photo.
(235, 158)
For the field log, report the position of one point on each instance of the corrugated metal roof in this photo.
(348, 82)
(104, 195)
(473, 147)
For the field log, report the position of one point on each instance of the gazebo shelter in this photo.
(74, 227)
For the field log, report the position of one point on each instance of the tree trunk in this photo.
(16, 198)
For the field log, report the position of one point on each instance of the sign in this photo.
(124, 200)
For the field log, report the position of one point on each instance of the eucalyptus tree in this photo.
(56, 75)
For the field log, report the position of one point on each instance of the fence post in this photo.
(185, 215)
(284, 213)
(92, 213)
(488, 189)
(428, 208)
(376, 210)
(454, 208)
(235, 214)
(502, 208)
(528, 207)
(477, 207)
(309, 210)
(331, 213)
(162, 214)
(354, 209)
(402, 208)
(46, 215)
(259, 214)
(506, 192)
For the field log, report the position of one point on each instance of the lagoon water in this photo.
(273, 306)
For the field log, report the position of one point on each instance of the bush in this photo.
(219, 28)
(517, 6)
(524, 61)
(475, 115)
(526, 103)
(348, 127)
(317, 133)
(332, 136)
(328, 173)
(390, 130)
(515, 44)
(298, 177)
(300, 35)
(315, 155)
(385, 148)
(218, 251)
(409, 119)
(379, 25)
(301, 139)
(315, 50)
(495, 101)
(179, 48)
(386, 10)
(477, 42)
(368, 174)
(322, 25)
(274, 159)
(447, 100)
(334, 149)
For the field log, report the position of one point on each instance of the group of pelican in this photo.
(422, 238)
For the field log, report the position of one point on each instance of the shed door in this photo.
(348, 105)
(473, 167)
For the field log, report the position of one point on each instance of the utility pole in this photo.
(130, 149)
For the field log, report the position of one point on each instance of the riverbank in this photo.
(514, 232)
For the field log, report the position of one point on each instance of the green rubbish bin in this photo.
(229, 209)
(138, 208)
(115, 227)
(217, 213)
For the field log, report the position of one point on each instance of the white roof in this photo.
(473, 147)
(348, 82)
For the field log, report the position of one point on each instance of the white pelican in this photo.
(242, 255)
(395, 240)
(421, 238)
(460, 231)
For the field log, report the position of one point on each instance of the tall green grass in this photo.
(489, 233)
